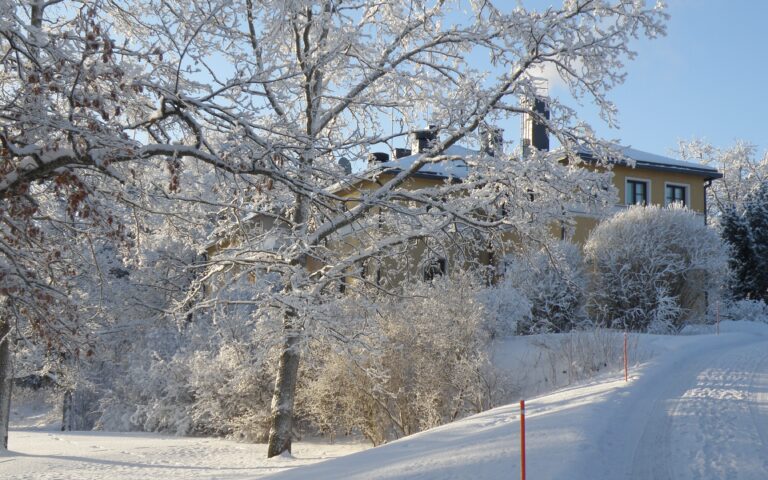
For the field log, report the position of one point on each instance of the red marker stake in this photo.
(522, 439)
(626, 360)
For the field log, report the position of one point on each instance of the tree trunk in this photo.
(66, 411)
(6, 380)
(285, 392)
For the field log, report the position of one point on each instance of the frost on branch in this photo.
(653, 268)
(743, 169)
(553, 280)
(417, 361)
(209, 113)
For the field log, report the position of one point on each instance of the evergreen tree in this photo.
(745, 229)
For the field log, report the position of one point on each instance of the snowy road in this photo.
(702, 414)
(712, 420)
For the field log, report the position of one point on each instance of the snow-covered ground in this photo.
(40, 451)
(698, 409)
(49, 455)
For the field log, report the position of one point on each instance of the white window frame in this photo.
(687, 188)
(648, 192)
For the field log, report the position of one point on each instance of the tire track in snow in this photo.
(759, 401)
(710, 420)
(650, 429)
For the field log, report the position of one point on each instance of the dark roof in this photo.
(655, 162)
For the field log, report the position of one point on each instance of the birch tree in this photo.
(269, 95)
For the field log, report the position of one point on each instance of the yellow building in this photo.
(638, 177)
(648, 179)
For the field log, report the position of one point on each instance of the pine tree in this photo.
(745, 229)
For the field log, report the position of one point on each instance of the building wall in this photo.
(657, 181)
(584, 224)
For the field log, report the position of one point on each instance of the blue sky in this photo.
(708, 78)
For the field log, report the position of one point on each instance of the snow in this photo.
(646, 157)
(445, 169)
(48, 455)
(695, 408)
(458, 168)
(652, 159)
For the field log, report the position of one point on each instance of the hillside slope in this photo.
(698, 410)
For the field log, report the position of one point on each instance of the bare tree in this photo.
(744, 170)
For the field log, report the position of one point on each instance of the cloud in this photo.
(548, 74)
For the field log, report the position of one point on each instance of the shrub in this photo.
(652, 268)
(221, 392)
(754, 310)
(552, 279)
(421, 362)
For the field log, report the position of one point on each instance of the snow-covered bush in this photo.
(754, 310)
(505, 307)
(652, 268)
(552, 279)
(203, 379)
(220, 393)
(422, 362)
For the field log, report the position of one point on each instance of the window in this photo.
(676, 194)
(636, 192)
(434, 268)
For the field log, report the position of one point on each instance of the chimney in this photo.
(402, 152)
(421, 139)
(492, 141)
(534, 132)
(377, 157)
(345, 164)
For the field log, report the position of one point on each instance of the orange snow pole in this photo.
(522, 439)
(626, 360)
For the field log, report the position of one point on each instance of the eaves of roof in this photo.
(706, 172)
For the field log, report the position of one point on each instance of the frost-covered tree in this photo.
(743, 169)
(553, 280)
(745, 229)
(269, 95)
(652, 268)
(738, 201)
